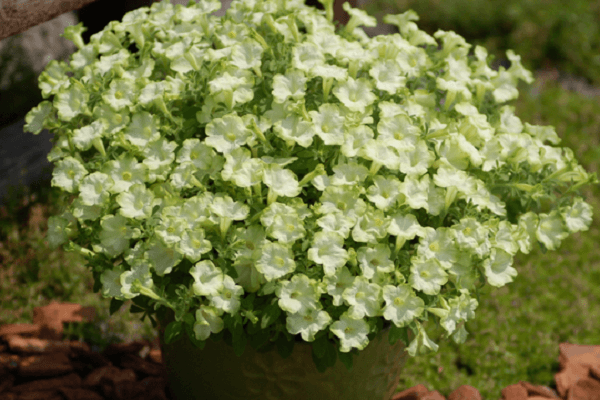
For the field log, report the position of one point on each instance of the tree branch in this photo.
(16, 16)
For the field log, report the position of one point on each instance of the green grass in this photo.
(515, 334)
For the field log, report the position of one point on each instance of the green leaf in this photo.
(346, 359)
(271, 313)
(319, 346)
(259, 339)
(239, 345)
(172, 331)
(135, 309)
(115, 305)
(397, 333)
(328, 357)
(284, 346)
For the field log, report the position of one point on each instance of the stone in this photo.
(414, 393)
(570, 350)
(569, 376)
(514, 392)
(465, 392)
(585, 389)
(52, 316)
(539, 391)
(52, 364)
(433, 395)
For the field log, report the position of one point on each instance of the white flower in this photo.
(328, 251)
(228, 297)
(364, 298)
(68, 174)
(298, 295)
(402, 305)
(208, 279)
(351, 332)
(208, 321)
(427, 276)
(276, 261)
(307, 323)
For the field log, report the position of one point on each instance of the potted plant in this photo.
(292, 201)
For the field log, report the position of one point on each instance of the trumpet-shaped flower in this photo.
(94, 189)
(351, 332)
(124, 172)
(337, 284)
(140, 271)
(115, 235)
(371, 226)
(208, 321)
(291, 85)
(373, 259)
(276, 261)
(327, 250)
(578, 216)
(402, 305)
(364, 298)
(329, 124)
(142, 130)
(281, 181)
(427, 276)
(307, 323)
(298, 295)
(384, 192)
(68, 173)
(227, 133)
(227, 299)
(551, 230)
(163, 258)
(136, 203)
(83, 138)
(208, 279)
(355, 94)
(498, 268)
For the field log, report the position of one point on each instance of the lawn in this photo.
(515, 334)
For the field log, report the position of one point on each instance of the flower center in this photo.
(249, 245)
(398, 301)
(435, 246)
(126, 176)
(196, 244)
(308, 318)
(360, 295)
(228, 294)
(425, 274)
(279, 262)
(230, 136)
(118, 95)
(290, 227)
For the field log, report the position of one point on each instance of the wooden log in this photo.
(16, 16)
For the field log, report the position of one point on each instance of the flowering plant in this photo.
(269, 177)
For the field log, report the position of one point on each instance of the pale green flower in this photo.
(281, 181)
(60, 228)
(327, 250)
(68, 174)
(387, 76)
(416, 161)
(306, 56)
(208, 321)
(247, 55)
(276, 261)
(298, 295)
(94, 189)
(578, 216)
(373, 259)
(140, 271)
(355, 138)
(329, 124)
(124, 172)
(405, 227)
(162, 257)
(85, 137)
(208, 279)
(121, 93)
(115, 235)
(440, 244)
(355, 94)
(342, 199)
(338, 283)
(364, 298)
(427, 276)
(111, 282)
(227, 133)
(142, 130)
(384, 192)
(292, 84)
(137, 202)
(307, 323)
(371, 226)
(242, 169)
(421, 344)
(402, 305)
(170, 228)
(72, 101)
(227, 298)
(351, 332)
(498, 268)
(551, 230)
(350, 173)
(193, 244)
(336, 222)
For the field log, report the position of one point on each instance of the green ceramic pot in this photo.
(216, 373)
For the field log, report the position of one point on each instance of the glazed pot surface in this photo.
(216, 373)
